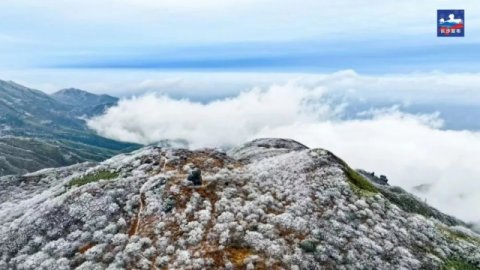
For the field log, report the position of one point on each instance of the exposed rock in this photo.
(271, 204)
(195, 176)
(382, 180)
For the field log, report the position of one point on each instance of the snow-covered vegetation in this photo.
(269, 204)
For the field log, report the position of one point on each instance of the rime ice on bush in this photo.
(271, 204)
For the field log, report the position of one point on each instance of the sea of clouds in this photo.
(411, 149)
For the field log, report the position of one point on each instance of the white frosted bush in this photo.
(162, 261)
(203, 216)
(119, 239)
(226, 217)
(290, 208)
(89, 266)
(95, 253)
(170, 250)
(183, 257)
(195, 236)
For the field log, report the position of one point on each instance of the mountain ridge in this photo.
(84, 102)
(268, 204)
(32, 120)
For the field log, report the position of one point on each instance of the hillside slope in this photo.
(25, 111)
(269, 204)
(38, 131)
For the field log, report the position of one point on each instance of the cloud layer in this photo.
(218, 123)
(410, 149)
(235, 35)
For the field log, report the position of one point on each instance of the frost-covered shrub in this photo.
(119, 239)
(162, 261)
(95, 253)
(308, 245)
(90, 266)
(290, 209)
(169, 204)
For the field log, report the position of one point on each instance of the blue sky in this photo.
(256, 36)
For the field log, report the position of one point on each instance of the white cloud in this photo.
(151, 117)
(453, 88)
(410, 149)
(431, 87)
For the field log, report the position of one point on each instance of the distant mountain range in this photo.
(39, 131)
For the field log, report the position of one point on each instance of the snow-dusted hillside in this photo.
(269, 204)
(40, 131)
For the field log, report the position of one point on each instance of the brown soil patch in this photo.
(275, 211)
(237, 255)
(174, 229)
(137, 221)
(205, 160)
(233, 254)
(290, 235)
(147, 226)
(182, 200)
(217, 256)
(208, 192)
(86, 247)
(133, 227)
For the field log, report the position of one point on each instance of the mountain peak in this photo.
(71, 91)
(83, 102)
(167, 208)
(74, 96)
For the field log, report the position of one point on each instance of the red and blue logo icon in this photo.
(451, 23)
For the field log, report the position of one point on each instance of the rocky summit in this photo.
(269, 204)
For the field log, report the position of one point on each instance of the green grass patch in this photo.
(458, 236)
(93, 177)
(458, 264)
(407, 202)
(360, 183)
